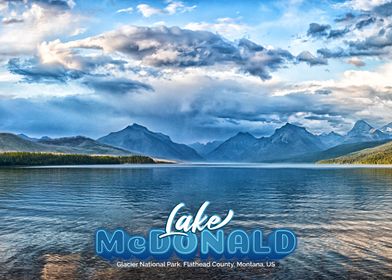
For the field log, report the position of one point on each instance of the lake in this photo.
(342, 216)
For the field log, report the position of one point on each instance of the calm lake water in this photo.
(342, 216)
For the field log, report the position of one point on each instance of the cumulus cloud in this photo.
(28, 23)
(32, 71)
(54, 52)
(58, 4)
(318, 30)
(374, 42)
(363, 5)
(310, 59)
(356, 94)
(173, 7)
(163, 47)
(366, 33)
(147, 10)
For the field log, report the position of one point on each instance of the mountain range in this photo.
(139, 139)
(69, 145)
(362, 131)
(205, 149)
(292, 143)
(289, 143)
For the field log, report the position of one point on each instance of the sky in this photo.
(195, 70)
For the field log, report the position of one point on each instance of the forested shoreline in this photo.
(36, 159)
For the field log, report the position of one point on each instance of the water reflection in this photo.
(343, 216)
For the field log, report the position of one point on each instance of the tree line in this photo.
(31, 159)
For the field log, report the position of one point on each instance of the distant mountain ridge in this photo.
(362, 132)
(70, 145)
(84, 145)
(139, 139)
(12, 143)
(24, 136)
(296, 144)
(289, 140)
(331, 139)
(289, 143)
(204, 149)
(235, 148)
(387, 129)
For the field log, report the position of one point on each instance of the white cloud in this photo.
(34, 24)
(172, 8)
(125, 10)
(178, 7)
(147, 10)
(55, 52)
(365, 5)
(172, 47)
(357, 94)
(380, 79)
